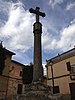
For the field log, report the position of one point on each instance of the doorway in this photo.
(72, 90)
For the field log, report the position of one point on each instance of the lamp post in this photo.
(51, 64)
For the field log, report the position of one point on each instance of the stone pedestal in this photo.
(36, 91)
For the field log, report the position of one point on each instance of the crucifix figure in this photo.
(37, 30)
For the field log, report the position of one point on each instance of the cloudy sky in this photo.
(16, 27)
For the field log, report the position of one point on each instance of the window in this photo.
(68, 66)
(20, 73)
(72, 90)
(56, 89)
(19, 90)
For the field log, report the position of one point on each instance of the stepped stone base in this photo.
(38, 91)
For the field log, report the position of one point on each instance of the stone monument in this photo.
(37, 30)
(37, 90)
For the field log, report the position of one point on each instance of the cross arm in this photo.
(37, 12)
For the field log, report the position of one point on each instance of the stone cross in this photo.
(37, 12)
(37, 30)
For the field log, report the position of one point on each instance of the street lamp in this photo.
(51, 64)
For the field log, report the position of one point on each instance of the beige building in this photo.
(15, 79)
(4, 77)
(11, 77)
(61, 73)
(11, 81)
(15, 84)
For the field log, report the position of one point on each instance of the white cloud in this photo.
(18, 35)
(70, 6)
(55, 2)
(67, 37)
(66, 41)
(47, 37)
(73, 21)
(4, 6)
(17, 31)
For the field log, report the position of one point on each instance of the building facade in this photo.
(13, 75)
(61, 73)
(5, 75)
(10, 75)
(15, 83)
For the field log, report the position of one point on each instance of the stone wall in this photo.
(40, 96)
